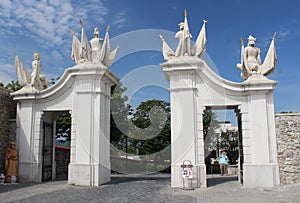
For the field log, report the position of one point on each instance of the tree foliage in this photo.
(63, 127)
(120, 110)
(130, 129)
(210, 124)
(142, 118)
(229, 140)
(13, 86)
(53, 81)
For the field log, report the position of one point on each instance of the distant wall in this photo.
(288, 142)
(7, 123)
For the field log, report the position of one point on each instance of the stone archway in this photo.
(193, 86)
(84, 91)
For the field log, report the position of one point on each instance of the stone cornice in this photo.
(93, 71)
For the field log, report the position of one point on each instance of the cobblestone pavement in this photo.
(154, 188)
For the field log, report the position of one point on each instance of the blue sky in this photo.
(27, 26)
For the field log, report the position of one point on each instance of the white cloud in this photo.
(44, 26)
(47, 22)
(56, 55)
(283, 34)
(7, 73)
(119, 20)
(8, 68)
(49, 76)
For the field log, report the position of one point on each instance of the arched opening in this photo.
(222, 133)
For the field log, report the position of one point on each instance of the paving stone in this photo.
(152, 188)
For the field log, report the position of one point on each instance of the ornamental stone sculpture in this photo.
(251, 62)
(184, 45)
(11, 163)
(34, 81)
(82, 52)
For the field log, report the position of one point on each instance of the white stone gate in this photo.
(194, 87)
(84, 90)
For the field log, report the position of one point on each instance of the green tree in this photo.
(120, 111)
(13, 86)
(210, 124)
(229, 142)
(1, 84)
(63, 127)
(160, 118)
(53, 81)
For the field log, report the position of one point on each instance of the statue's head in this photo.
(36, 56)
(251, 40)
(96, 32)
(12, 145)
(181, 26)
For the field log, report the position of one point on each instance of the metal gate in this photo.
(47, 152)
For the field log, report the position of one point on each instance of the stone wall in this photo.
(288, 142)
(62, 158)
(7, 123)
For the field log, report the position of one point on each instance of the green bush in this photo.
(150, 167)
(160, 167)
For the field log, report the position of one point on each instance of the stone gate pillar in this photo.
(186, 135)
(259, 137)
(90, 131)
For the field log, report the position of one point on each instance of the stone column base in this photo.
(30, 172)
(88, 174)
(198, 180)
(260, 175)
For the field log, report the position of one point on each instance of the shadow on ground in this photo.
(218, 179)
(116, 179)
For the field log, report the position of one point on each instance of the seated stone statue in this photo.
(35, 80)
(11, 162)
(252, 55)
(251, 63)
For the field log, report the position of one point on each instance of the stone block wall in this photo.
(62, 158)
(288, 143)
(7, 123)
